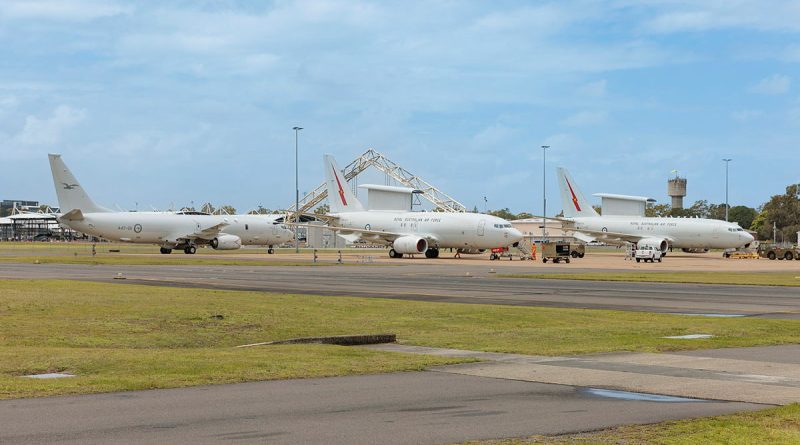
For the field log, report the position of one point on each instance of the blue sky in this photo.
(179, 101)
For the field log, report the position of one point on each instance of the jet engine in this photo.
(656, 243)
(226, 242)
(410, 244)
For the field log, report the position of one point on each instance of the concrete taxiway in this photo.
(463, 283)
(767, 374)
(401, 408)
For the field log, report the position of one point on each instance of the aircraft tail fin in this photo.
(71, 196)
(340, 197)
(573, 202)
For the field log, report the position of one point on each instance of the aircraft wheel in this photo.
(581, 255)
(771, 255)
(393, 254)
(574, 254)
(190, 250)
(789, 256)
(638, 259)
(436, 253)
(166, 251)
(270, 251)
(544, 260)
(430, 253)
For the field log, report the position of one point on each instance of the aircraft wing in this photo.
(374, 236)
(202, 233)
(610, 237)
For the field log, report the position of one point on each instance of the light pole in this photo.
(544, 192)
(727, 207)
(296, 192)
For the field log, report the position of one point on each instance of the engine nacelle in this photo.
(656, 243)
(226, 242)
(410, 244)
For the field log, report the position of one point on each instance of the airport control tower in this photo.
(676, 188)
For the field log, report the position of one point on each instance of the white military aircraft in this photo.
(181, 230)
(690, 234)
(410, 232)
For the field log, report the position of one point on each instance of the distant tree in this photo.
(783, 211)
(523, 215)
(743, 215)
(207, 208)
(716, 211)
(503, 213)
(228, 209)
(323, 209)
(660, 210)
(260, 210)
(598, 209)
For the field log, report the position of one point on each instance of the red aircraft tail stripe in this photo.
(574, 198)
(341, 190)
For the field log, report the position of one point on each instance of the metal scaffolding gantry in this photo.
(371, 158)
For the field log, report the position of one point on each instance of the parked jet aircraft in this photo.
(412, 232)
(182, 230)
(659, 233)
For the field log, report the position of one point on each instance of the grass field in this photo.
(738, 278)
(145, 254)
(120, 336)
(776, 426)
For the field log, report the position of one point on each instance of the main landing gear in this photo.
(270, 251)
(393, 254)
(432, 253)
(190, 250)
(165, 251)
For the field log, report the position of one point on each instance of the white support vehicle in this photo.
(648, 253)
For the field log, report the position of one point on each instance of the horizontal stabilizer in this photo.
(72, 215)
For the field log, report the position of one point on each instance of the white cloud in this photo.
(585, 118)
(72, 10)
(594, 89)
(48, 131)
(692, 16)
(746, 115)
(773, 85)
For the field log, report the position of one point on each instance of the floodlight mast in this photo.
(296, 189)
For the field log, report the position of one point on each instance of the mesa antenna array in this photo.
(372, 158)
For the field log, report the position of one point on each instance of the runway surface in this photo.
(402, 408)
(443, 283)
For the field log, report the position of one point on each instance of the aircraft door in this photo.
(481, 227)
(274, 229)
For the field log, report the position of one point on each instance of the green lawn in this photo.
(146, 254)
(776, 426)
(121, 336)
(738, 278)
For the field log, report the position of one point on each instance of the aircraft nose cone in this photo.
(515, 234)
